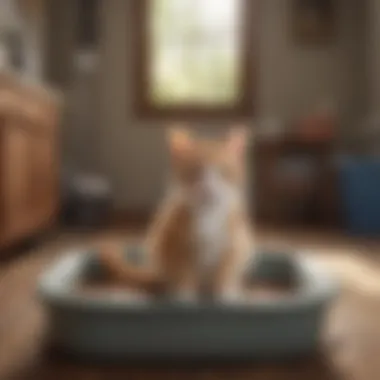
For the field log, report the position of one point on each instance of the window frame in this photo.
(144, 107)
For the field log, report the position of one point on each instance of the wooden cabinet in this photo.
(28, 161)
(296, 197)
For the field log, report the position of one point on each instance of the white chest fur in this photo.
(210, 234)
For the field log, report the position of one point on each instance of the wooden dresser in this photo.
(29, 116)
(283, 200)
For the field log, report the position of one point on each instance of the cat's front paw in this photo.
(188, 297)
(232, 296)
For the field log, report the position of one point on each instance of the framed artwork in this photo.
(12, 43)
(314, 21)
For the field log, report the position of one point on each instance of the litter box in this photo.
(113, 326)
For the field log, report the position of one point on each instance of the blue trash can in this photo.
(360, 190)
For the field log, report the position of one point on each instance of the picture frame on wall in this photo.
(13, 44)
(314, 22)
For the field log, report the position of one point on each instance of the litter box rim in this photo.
(55, 288)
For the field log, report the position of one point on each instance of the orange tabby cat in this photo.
(200, 236)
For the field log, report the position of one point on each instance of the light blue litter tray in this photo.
(115, 327)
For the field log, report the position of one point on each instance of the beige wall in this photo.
(290, 81)
(374, 54)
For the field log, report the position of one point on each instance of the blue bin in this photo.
(360, 189)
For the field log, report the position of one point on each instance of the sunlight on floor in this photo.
(354, 273)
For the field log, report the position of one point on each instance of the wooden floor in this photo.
(350, 346)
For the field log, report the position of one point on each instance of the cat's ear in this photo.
(180, 141)
(237, 140)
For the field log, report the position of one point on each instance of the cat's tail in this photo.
(127, 274)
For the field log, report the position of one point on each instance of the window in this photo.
(194, 58)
